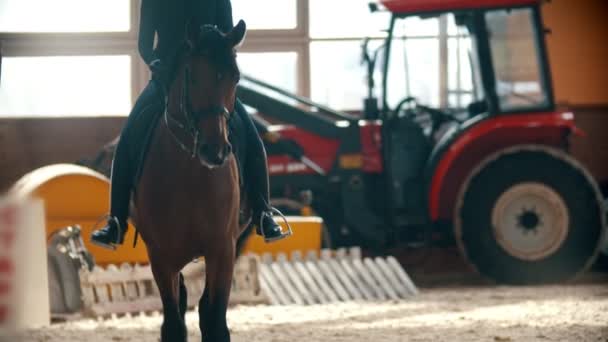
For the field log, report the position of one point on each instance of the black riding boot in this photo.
(262, 211)
(113, 233)
(256, 174)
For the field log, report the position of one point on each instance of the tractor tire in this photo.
(529, 215)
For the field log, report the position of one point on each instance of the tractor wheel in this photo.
(529, 215)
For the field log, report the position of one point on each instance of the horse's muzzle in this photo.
(214, 155)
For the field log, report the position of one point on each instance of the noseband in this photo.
(191, 116)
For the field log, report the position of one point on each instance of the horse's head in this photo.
(210, 78)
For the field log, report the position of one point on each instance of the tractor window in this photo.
(413, 71)
(515, 56)
(431, 60)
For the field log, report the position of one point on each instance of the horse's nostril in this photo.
(228, 149)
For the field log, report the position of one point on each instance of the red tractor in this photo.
(495, 178)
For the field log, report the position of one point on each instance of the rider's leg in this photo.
(255, 169)
(122, 175)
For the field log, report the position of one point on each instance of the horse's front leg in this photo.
(214, 301)
(173, 328)
(183, 297)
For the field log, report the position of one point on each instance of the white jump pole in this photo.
(24, 292)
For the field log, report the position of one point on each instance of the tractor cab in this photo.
(492, 64)
(499, 50)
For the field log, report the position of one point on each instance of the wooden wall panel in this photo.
(26, 144)
(592, 150)
(578, 52)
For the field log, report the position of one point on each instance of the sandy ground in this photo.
(489, 313)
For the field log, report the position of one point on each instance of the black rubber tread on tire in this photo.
(551, 168)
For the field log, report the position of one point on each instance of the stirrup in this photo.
(283, 235)
(107, 218)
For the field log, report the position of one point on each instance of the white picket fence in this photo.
(332, 276)
(131, 289)
(317, 278)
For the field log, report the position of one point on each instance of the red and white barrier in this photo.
(24, 294)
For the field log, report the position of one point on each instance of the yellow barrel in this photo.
(306, 236)
(73, 195)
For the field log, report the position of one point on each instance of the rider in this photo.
(167, 19)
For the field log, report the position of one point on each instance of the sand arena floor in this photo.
(482, 313)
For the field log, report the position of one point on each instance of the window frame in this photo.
(41, 44)
(296, 40)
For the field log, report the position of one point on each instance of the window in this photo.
(515, 58)
(345, 19)
(65, 86)
(428, 59)
(266, 14)
(414, 71)
(311, 47)
(337, 29)
(68, 57)
(276, 68)
(18, 16)
(337, 75)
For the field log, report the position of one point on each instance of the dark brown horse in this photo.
(187, 200)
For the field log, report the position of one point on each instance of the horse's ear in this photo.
(237, 35)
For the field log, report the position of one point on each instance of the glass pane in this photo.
(345, 19)
(417, 27)
(459, 101)
(454, 29)
(459, 64)
(414, 71)
(65, 86)
(515, 58)
(64, 15)
(276, 68)
(266, 14)
(460, 75)
(338, 78)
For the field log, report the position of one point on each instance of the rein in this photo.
(191, 116)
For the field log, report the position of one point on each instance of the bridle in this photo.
(191, 117)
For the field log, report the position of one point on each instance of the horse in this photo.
(187, 202)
